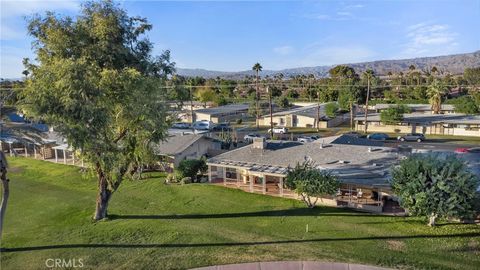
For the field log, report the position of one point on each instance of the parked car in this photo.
(223, 127)
(461, 150)
(181, 125)
(278, 130)
(474, 150)
(315, 137)
(250, 137)
(378, 136)
(305, 139)
(414, 137)
(203, 125)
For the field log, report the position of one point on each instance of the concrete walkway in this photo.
(292, 265)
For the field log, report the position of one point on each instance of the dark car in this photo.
(413, 137)
(378, 136)
(475, 150)
(222, 127)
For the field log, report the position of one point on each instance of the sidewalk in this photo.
(292, 265)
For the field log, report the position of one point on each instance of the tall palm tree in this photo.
(257, 68)
(435, 91)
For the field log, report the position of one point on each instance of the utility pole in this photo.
(271, 112)
(257, 97)
(318, 111)
(191, 109)
(366, 102)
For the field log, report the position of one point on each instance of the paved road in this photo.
(292, 265)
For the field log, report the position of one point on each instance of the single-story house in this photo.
(310, 116)
(262, 167)
(417, 108)
(440, 124)
(179, 147)
(221, 114)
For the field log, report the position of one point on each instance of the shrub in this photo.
(239, 121)
(435, 187)
(191, 167)
(331, 109)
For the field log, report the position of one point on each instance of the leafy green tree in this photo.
(435, 91)
(467, 105)
(206, 94)
(97, 84)
(331, 109)
(472, 76)
(435, 187)
(393, 115)
(311, 183)
(283, 102)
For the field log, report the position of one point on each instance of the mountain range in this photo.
(454, 64)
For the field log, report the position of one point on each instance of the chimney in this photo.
(259, 143)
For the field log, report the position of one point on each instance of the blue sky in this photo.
(233, 35)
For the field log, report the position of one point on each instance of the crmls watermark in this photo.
(64, 263)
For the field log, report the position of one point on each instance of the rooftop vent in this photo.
(259, 143)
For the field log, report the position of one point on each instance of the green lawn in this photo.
(158, 226)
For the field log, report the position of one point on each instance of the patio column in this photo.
(64, 157)
(239, 178)
(224, 169)
(34, 151)
(26, 150)
(73, 158)
(281, 186)
(264, 184)
(56, 155)
(82, 163)
(251, 182)
(10, 148)
(209, 173)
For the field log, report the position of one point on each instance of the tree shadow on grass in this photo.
(233, 244)
(294, 212)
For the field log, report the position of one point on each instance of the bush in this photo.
(394, 115)
(191, 167)
(331, 109)
(435, 187)
(239, 121)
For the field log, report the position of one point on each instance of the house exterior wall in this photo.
(202, 116)
(196, 150)
(292, 120)
(433, 129)
(220, 118)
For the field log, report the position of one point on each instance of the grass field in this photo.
(158, 226)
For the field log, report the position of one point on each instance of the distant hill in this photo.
(454, 64)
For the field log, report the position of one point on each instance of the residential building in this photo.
(429, 124)
(179, 147)
(417, 108)
(310, 116)
(231, 112)
(262, 167)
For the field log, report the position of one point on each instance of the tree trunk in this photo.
(432, 219)
(351, 115)
(103, 197)
(5, 189)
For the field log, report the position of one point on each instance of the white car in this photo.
(278, 130)
(250, 137)
(305, 139)
(203, 125)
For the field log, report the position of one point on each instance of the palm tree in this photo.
(368, 75)
(435, 91)
(257, 68)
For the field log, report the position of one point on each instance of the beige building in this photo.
(310, 116)
(261, 167)
(179, 147)
(231, 112)
(429, 124)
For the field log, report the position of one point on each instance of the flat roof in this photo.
(308, 111)
(416, 107)
(231, 108)
(418, 118)
(362, 165)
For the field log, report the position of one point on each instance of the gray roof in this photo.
(419, 118)
(231, 108)
(308, 111)
(352, 163)
(355, 140)
(417, 107)
(174, 145)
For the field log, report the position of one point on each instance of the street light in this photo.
(271, 113)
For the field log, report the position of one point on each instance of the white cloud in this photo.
(283, 50)
(12, 26)
(426, 39)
